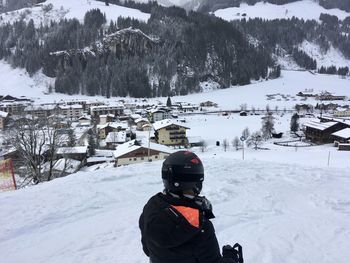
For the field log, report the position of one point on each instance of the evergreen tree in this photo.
(294, 124)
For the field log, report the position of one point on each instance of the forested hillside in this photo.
(170, 54)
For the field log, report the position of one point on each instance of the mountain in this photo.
(147, 50)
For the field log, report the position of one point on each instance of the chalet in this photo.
(320, 132)
(136, 152)
(115, 138)
(101, 156)
(85, 120)
(170, 132)
(329, 96)
(103, 130)
(342, 136)
(208, 104)
(243, 113)
(3, 118)
(142, 124)
(78, 153)
(62, 167)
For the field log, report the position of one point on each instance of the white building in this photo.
(136, 152)
(71, 111)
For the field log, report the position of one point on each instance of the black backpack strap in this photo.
(239, 253)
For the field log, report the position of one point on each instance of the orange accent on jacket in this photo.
(191, 214)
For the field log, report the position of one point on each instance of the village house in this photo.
(321, 132)
(170, 132)
(13, 108)
(106, 118)
(85, 120)
(3, 118)
(62, 167)
(342, 112)
(142, 124)
(158, 114)
(41, 111)
(103, 130)
(342, 136)
(71, 111)
(115, 138)
(78, 153)
(208, 104)
(137, 151)
(116, 110)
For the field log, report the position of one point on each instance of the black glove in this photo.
(232, 254)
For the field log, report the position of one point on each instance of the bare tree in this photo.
(203, 145)
(236, 143)
(225, 144)
(35, 141)
(267, 126)
(255, 140)
(246, 133)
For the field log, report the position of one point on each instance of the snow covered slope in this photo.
(278, 212)
(71, 9)
(306, 9)
(331, 57)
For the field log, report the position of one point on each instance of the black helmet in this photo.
(183, 170)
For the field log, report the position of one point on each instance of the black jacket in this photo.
(174, 230)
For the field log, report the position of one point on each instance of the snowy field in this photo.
(279, 212)
(68, 9)
(306, 10)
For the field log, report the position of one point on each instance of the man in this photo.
(175, 225)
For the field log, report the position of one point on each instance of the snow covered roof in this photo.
(115, 125)
(72, 150)
(320, 125)
(85, 117)
(74, 106)
(165, 123)
(3, 114)
(344, 133)
(116, 137)
(131, 146)
(63, 165)
(141, 120)
(107, 115)
(135, 116)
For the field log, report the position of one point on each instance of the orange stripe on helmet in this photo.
(191, 214)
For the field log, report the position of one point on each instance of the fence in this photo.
(7, 177)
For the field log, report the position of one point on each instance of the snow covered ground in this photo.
(67, 9)
(306, 9)
(16, 82)
(279, 212)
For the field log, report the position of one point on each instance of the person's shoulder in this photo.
(156, 201)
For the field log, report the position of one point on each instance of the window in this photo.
(142, 158)
(135, 159)
(130, 159)
(156, 156)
